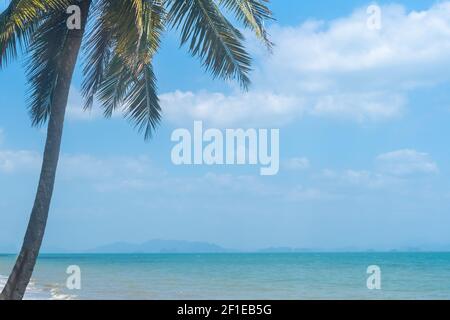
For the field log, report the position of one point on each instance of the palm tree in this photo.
(119, 44)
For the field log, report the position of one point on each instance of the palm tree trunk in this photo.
(24, 266)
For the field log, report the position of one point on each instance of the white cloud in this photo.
(406, 162)
(297, 163)
(347, 45)
(82, 166)
(338, 68)
(371, 106)
(251, 185)
(300, 194)
(12, 161)
(360, 178)
(98, 168)
(392, 169)
(252, 108)
(75, 107)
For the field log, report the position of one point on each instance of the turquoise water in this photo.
(240, 276)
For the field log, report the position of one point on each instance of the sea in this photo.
(238, 276)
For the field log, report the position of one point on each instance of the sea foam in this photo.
(36, 292)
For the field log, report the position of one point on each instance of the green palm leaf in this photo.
(45, 59)
(127, 80)
(112, 90)
(98, 52)
(212, 38)
(253, 14)
(142, 103)
(18, 21)
(122, 40)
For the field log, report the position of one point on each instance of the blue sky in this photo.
(363, 117)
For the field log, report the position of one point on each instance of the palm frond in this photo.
(135, 93)
(212, 38)
(138, 26)
(122, 41)
(43, 64)
(253, 14)
(17, 23)
(113, 88)
(97, 52)
(123, 68)
(142, 103)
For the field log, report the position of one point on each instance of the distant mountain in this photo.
(14, 249)
(174, 246)
(160, 246)
(284, 250)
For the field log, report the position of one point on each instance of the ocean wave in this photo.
(2, 281)
(37, 292)
(58, 295)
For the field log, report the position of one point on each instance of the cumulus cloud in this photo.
(348, 45)
(334, 69)
(360, 107)
(301, 194)
(406, 162)
(297, 163)
(338, 68)
(75, 106)
(139, 174)
(251, 108)
(252, 185)
(391, 170)
(12, 161)
(84, 166)
(361, 178)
